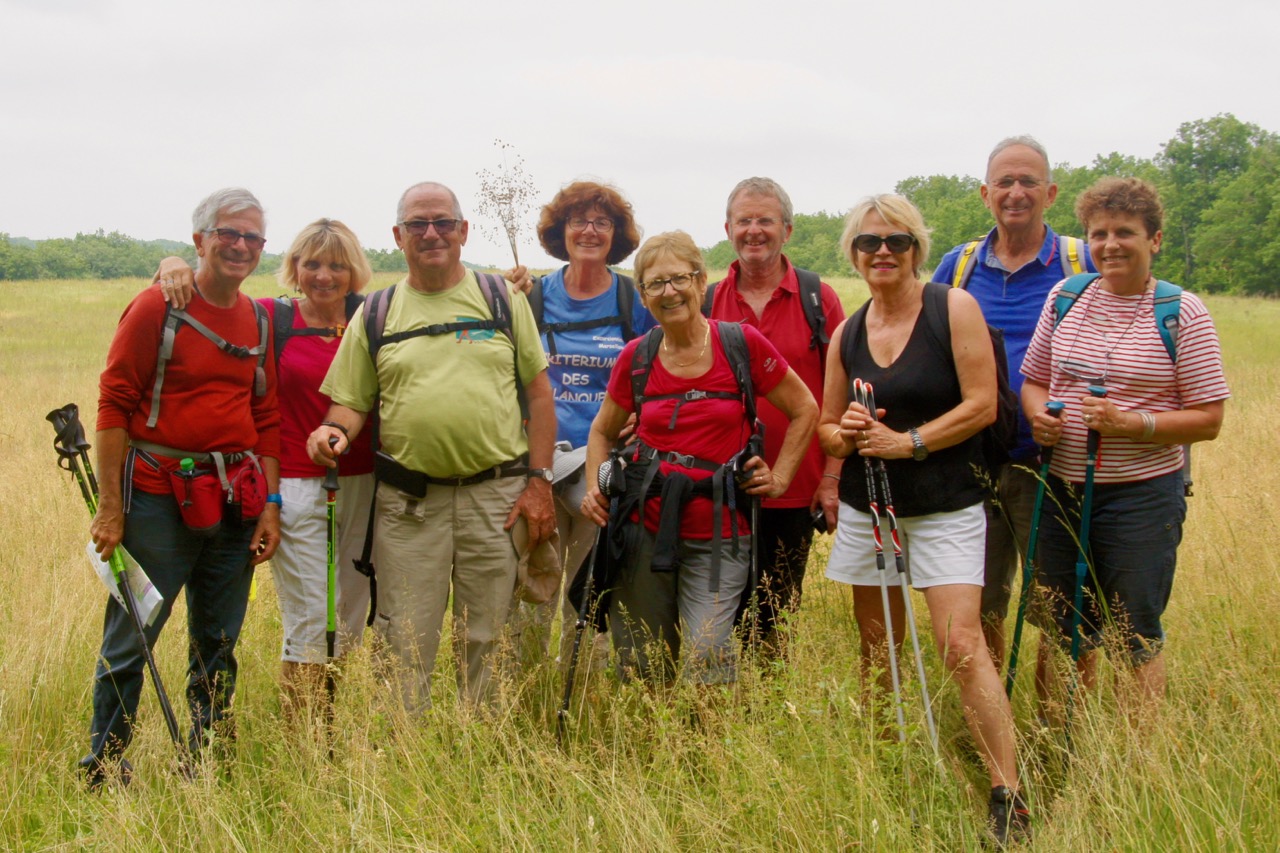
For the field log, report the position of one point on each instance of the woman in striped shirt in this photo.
(1159, 396)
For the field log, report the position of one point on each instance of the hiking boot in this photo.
(98, 772)
(1009, 819)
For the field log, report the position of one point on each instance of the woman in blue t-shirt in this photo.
(586, 313)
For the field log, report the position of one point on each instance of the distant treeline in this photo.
(1219, 179)
(116, 255)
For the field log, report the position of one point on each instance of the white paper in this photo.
(144, 592)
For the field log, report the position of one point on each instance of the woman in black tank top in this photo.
(934, 405)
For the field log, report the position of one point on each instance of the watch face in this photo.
(919, 453)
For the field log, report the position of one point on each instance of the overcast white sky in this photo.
(123, 114)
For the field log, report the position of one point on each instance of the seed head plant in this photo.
(505, 196)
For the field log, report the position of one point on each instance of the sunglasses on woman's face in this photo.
(870, 243)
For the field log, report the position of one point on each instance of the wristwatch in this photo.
(542, 474)
(918, 451)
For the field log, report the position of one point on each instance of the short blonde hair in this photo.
(896, 210)
(676, 244)
(326, 238)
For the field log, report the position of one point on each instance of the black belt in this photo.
(414, 483)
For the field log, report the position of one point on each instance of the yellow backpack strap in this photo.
(961, 275)
(1072, 264)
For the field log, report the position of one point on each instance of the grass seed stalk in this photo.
(506, 196)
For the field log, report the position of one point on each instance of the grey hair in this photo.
(229, 200)
(765, 187)
(457, 208)
(1028, 141)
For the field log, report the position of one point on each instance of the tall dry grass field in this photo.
(792, 759)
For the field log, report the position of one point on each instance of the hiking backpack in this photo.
(1070, 256)
(282, 322)
(626, 308)
(734, 343)
(810, 303)
(175, 317)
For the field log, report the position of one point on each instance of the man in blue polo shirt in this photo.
(1010, 272)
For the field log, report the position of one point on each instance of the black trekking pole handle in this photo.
(331, 474)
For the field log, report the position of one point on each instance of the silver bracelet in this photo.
(1148, 425)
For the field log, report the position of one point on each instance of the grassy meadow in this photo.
(792, 759)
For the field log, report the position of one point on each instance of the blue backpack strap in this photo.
(1069, 293)
(1168, 308)
(965, 263)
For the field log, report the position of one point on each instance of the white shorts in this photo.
(942, 548)
(299, 567)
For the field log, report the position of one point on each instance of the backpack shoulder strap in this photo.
(375, 319)
(734, 342)
(965, 263)
(1069, 293)
(281, 323)
(709, 299)
(626, 305)
(494, 288)
(351, 303)
(175, 317)
(849, 337)
(641, 364)
(1168, 309)
(1071, 255)
(937, 314)
(811, 304)
(535, 301)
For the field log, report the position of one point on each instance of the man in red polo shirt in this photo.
(762, 290)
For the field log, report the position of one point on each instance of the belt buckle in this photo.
(683, 459)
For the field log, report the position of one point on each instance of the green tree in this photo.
(952, 208)
(1195, 166)
(1073, 180)
(1237, 245)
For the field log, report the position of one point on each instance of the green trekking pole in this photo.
(331, 554)
(1055, 408)
(1082, 558)
(73, 456)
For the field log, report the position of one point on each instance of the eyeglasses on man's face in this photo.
(1025, 181)
(418, 227)
(230, 236)
(656, 286)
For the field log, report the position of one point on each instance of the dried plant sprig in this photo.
(506, 196)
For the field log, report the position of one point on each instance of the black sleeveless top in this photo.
(918, 387)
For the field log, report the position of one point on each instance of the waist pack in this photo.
(232, 493)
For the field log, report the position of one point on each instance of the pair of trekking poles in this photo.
(1092, 442)
(880, 501)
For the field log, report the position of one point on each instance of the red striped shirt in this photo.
(1117, 336)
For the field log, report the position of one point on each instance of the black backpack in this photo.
(810, 303)
(734, 343)
(626, 306)
(1000, 437)
(282, 322)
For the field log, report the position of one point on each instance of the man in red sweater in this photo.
(201, 402)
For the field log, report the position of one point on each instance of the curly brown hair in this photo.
(579, 197)
(1129, 196)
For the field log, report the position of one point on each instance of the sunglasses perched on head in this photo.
(230, 236)
(871, 243)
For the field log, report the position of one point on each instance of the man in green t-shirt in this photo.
(458, 468)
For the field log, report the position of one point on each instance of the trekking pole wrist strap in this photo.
(339, 427)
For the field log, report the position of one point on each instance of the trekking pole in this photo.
(900, 564)
(858, 394)
(1082, 560)
(1055, 408)
(585, 606)
(331, 555)
(73, 456)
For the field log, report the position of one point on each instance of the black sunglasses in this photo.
(871, 243)
(418, 227)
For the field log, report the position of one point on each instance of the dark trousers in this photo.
(784, 536)
(216, 575)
